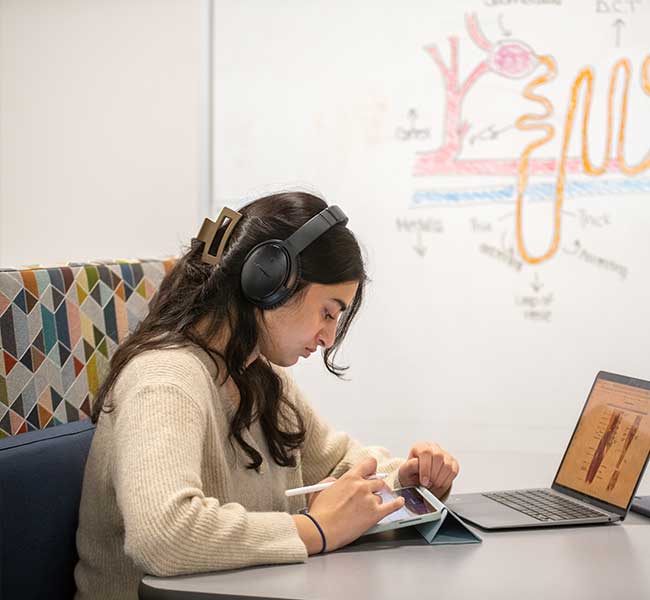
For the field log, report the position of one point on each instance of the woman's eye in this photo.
(328, 316)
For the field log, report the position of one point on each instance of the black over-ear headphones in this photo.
(271, 269)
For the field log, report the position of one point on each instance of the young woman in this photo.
(200, 430)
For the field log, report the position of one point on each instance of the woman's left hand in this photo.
(430, 466)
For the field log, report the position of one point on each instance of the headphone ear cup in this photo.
(287, 292)
(271, 306)
(265, 271)
(283, 294)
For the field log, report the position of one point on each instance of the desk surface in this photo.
(590, 562)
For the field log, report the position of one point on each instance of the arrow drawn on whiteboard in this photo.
(537, 284)
(488, 133)
(617, 25)
(419, 247)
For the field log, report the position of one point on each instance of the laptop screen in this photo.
(611, 442)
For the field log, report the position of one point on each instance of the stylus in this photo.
(308, 489)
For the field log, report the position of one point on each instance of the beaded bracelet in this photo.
(305, 512)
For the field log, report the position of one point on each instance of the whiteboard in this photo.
(434, 125)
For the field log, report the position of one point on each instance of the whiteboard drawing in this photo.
(515, 59)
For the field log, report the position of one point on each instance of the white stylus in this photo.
(309, 489)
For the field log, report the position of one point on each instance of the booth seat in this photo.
(59, 327)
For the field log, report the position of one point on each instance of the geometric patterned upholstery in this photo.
(59, 328)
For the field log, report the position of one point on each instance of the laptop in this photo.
(598, 475)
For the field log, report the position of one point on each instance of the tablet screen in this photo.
(415, 505)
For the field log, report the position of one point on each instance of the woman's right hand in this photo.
(349, 507)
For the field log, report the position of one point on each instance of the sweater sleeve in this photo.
(171, 527)
(330, 453)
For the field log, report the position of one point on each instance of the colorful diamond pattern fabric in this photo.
(59, 328)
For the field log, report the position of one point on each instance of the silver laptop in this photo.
(598, 475)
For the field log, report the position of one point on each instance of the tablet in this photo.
(420, 506)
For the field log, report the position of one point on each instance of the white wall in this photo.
(99, 128)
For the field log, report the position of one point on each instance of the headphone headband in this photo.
(314, 228)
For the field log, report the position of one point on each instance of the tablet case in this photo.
(448, 529)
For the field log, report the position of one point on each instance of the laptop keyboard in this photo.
(543, 505)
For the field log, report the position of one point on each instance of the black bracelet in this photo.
(320, 529)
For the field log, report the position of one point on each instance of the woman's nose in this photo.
(327, 336)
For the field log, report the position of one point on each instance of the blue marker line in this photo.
(536, 192)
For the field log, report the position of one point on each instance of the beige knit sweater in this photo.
(165, 493)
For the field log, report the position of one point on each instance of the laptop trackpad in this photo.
(482, 511)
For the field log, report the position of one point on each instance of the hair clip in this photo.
(209, 230)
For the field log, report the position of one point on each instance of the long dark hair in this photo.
(194, 291)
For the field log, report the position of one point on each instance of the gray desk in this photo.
(590, 562)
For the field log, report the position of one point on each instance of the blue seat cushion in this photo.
(41, 473)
